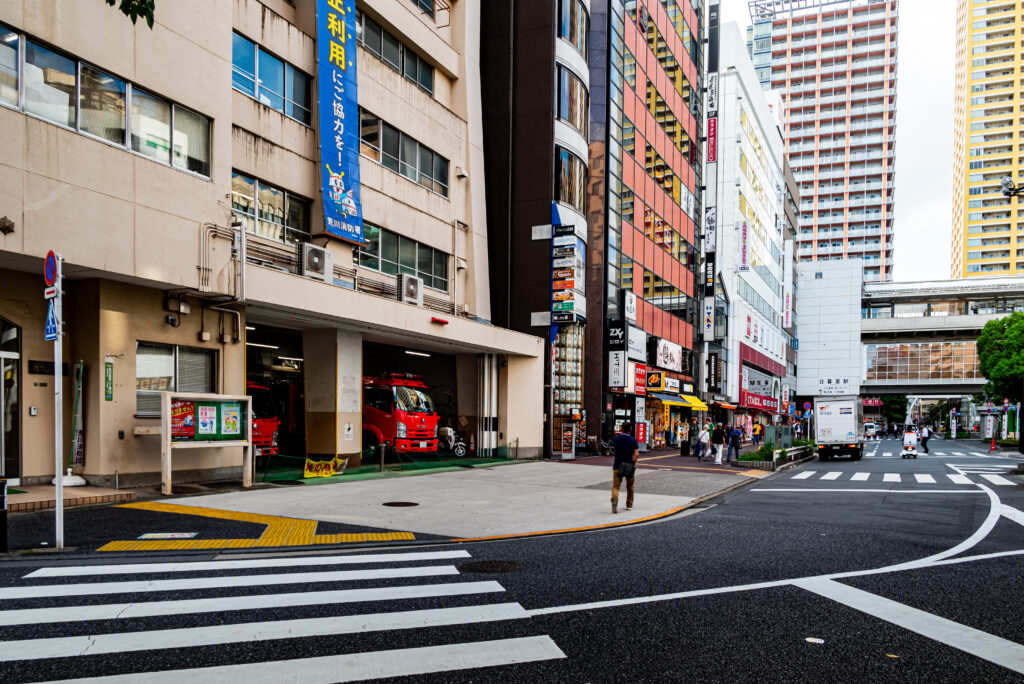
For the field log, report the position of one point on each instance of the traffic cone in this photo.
(993, 447)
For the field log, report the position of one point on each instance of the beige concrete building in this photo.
(175, 170)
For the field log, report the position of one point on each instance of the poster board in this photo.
(204, 421)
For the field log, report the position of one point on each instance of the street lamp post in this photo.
(1010, 189)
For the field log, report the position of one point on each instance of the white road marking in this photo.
(960, 479)
(998, 479)
(834, 475)
(887, 454)
(1011, 513)
(111, 611)
(804, 490)
(958, 453)
(247, 632)
(94, 588)
(975, 642)
(353, 667)
(924, 478)
(891, 477)
(860, 477)
(804, 475)
(139, 568)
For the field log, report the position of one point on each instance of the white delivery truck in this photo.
(837, 427)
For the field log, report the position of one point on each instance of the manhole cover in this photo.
(400, 504)
(491, 566)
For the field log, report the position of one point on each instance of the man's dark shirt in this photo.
(718, 436)
(625, 445)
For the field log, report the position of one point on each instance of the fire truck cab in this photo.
(398, 412)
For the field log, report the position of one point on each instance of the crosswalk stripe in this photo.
(924, 478)
(891, 477)
(997, 479)
(958, 453)
(247, 632)
(112, 611)
(804, 475)
(197, 566)
(193, 583)
(359, 666)
(959, 479)
(887, 454)
(860, 477)
(834, 475)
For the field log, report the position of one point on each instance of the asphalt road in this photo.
(880, 569)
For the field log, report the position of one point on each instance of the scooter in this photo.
(448, 440)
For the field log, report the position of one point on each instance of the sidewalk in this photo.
(512, 500)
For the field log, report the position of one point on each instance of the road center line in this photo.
(967, 639)
(809, 490)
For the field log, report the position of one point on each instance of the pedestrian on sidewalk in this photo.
(756, 433)
(627, 451)
(703, 443)
(684, 439)
(925, 434)
(734, 444)
(717, 442)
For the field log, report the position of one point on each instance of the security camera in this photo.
(171, 320)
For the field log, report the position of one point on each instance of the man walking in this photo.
(756, 433)
(925, 434)
(717, 441)
(734, 443)
(627, 451)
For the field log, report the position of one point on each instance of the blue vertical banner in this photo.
(339, 118)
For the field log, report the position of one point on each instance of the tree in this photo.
(137, 8)
(894, 407)
(1001, 356)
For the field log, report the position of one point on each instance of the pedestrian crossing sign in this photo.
(50, 332)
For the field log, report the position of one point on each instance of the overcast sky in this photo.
(924, 135)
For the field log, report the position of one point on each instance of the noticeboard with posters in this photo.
(206, 421)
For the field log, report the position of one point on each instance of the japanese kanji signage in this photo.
(339, 118)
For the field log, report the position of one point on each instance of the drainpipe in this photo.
(237, 337)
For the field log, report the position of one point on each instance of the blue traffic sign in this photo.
(50, 332)
(50, 269)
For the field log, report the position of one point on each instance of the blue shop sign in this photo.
(339, 118)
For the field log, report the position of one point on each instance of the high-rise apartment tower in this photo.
(986, 140)
(834, 65)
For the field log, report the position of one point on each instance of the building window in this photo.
(394, 53)
(570, 179)
(402, 154)
(425, 6)
(271, 81)
(574, 24)
(85, 98)
(389, 253)
(269, 211)
(171, 368)
(573, 101)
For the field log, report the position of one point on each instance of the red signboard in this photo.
(641, 379)
(872, 402)
(641, 432)
(712, 140)
(564, 284)
(758, 401)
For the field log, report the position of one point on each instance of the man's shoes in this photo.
(615, 508)
(629, 508)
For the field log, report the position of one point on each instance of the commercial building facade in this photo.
(986, 139)
(834, 64)
(644, 210)
(747, 359)
(185, 198)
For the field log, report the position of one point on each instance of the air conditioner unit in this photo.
(317, 262)
(410, 289)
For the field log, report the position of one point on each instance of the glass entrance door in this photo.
(10, 394)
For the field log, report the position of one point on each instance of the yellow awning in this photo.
(669, 399)
(694, 402)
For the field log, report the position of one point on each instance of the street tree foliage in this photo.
(938, 413)
(136, 8)
(894, 407)
(1001, 356)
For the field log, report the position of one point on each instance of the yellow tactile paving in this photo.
(279, 531)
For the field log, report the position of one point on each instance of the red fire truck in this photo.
(265, 421)
(398, 412)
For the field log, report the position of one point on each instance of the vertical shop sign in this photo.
(641, 379)
(568, 441)
(710, 229)
(744, 247)
(629, 306)
(616, 369)
(339, 118)
(108, 381)
(712, 140)
(709, 318)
